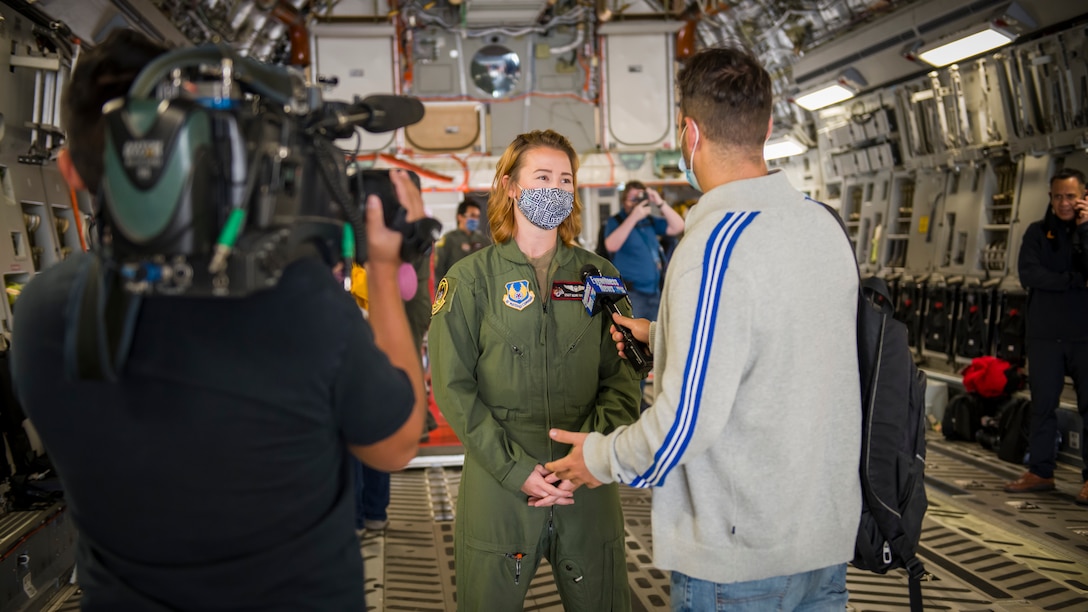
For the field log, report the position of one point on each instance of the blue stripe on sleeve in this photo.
(715, 263)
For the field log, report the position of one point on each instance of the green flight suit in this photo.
(454, 246)
(509, 360)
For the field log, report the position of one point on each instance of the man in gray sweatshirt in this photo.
(753, 441)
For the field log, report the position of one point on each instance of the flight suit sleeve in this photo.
(454, 342)
(442, 257)
(418, 308)
(1033, 272)
(618, 383)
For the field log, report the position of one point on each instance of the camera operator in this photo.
(631, 237)
(215, 472)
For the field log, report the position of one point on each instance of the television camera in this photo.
(221, 170)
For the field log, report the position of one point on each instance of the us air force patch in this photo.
(518, 295)
(440, 294)
(568, 290)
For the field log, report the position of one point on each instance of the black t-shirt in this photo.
(215, 475)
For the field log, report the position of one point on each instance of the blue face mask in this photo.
(472, 224)
(689, 174)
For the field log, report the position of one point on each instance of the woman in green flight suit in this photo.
(513, 354)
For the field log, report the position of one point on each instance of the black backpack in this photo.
(893, 440)
(962, 417)
(893, 443)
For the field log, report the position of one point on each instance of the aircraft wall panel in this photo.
(639, 91)
(927, 208)
(360, 60)
(1032, 200)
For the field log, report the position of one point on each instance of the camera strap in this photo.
(101, 319)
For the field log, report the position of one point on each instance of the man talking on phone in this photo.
(631, 238)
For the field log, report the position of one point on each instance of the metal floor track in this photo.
(986, 550)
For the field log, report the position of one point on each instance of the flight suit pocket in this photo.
(509, 563)
(577, 379)
(596, 580)
(504, 370)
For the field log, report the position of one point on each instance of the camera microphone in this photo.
(602, 293)
(376, 113)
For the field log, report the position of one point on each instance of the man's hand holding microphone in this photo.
(602, 293)
(639, 329)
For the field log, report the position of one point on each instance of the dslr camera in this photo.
(220, 171)
(644, 198)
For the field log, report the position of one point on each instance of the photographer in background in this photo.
(631, 237)
(215, 472)
(1053, 267)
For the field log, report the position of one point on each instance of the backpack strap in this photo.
(916, 572)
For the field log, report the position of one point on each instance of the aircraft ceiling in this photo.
(797, 40)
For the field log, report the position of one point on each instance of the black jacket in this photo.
(1053, 268)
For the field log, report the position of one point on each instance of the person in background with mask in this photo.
(513, 351)
(461, 241)
(632, 237)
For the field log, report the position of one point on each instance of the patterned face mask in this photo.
(547, 207)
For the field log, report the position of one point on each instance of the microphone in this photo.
(376, 113)
(602, 293)
(386, 112)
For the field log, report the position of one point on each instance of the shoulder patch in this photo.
(443, 296)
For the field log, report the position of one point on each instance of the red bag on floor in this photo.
(986, 376)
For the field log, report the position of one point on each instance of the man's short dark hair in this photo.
(101, 74)
(629, 187)
(728, 94)
(463, 207)
(1068, 173)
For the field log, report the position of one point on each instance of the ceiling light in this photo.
(783, 146)
(962, 45)
(845, 87)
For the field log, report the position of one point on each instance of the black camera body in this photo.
(417, 237)
(644, 199)
(220, 171)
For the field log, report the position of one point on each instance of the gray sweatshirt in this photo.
(753, 442)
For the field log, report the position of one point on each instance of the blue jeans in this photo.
(371, 493)
(816, 591)
(644, 305)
